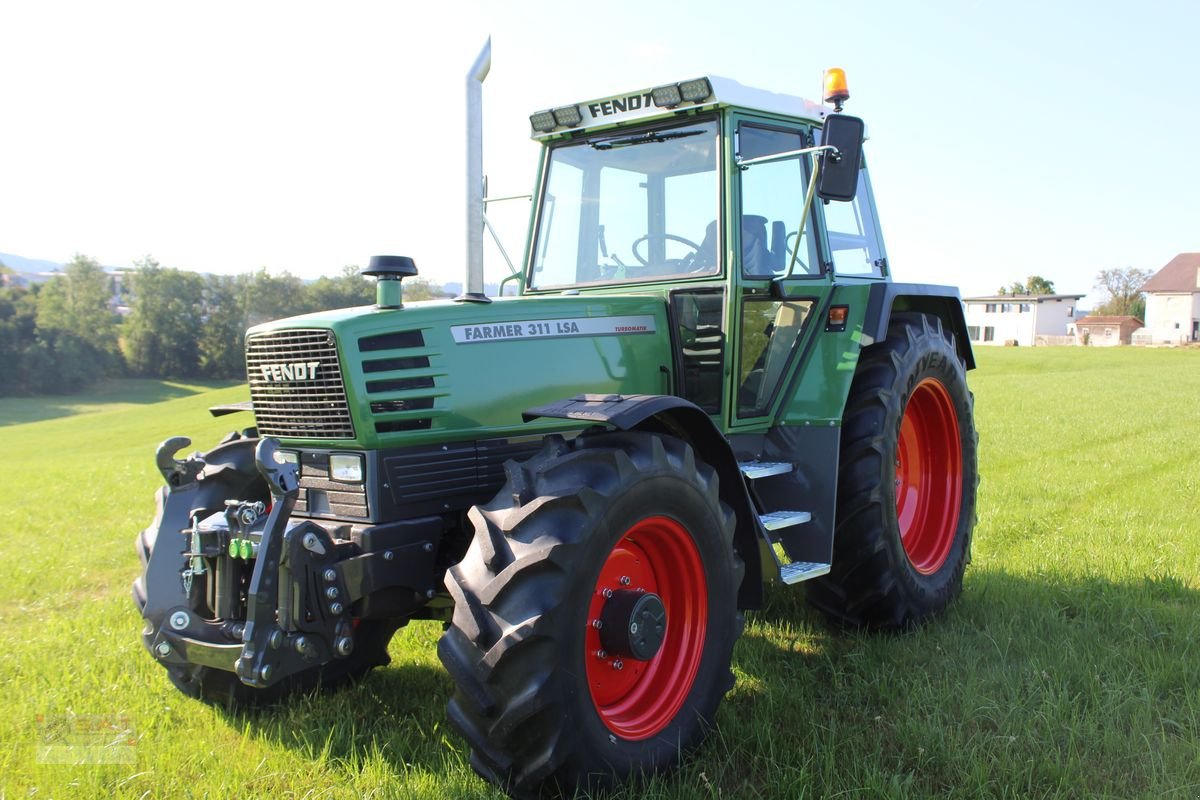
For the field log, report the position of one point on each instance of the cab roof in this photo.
(709, 91)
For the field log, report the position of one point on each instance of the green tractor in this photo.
(707, 381)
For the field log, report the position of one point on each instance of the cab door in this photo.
(778, 287)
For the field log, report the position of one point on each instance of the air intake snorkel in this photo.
(388, 272)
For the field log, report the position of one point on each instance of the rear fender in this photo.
(942, 302)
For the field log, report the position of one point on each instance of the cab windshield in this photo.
(630, 206)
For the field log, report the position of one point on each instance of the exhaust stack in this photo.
(475, 78)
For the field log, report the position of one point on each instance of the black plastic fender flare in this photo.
(687, 421)
(943, 302)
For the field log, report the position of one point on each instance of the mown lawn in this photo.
(1070, 667)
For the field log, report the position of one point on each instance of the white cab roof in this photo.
(638, 105)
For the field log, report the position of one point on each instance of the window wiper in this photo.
(644, 138)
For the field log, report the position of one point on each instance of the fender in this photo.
(940, 301)
(684, 420)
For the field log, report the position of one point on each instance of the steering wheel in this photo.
(687, 259)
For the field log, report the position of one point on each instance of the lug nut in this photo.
(601, 654)
(607, 593)
(624, 580)
(618, 665)
(597, 624)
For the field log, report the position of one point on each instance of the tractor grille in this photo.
(296, 385)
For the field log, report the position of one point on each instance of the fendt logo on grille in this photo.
(295, 371)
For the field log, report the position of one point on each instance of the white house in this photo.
(1020, 318)
(1173, 301)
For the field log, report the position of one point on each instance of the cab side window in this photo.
(853, 235)
(772, 202)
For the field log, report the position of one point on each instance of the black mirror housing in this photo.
(839, 173)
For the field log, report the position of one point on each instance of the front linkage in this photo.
(252, 593)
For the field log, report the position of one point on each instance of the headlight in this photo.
(346, 467)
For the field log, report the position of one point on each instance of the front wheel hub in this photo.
(633, 624)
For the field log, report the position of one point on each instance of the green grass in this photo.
(1069, 668)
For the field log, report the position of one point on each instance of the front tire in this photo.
(626, 529)
(906, 482)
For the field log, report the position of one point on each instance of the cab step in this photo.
(779, 520)
(799, 571)
(764, 469)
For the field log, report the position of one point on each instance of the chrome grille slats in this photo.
(315, 408)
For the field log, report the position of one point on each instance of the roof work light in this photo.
(836, 89)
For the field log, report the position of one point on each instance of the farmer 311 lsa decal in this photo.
(707, 381)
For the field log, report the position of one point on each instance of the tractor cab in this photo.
(703, 192)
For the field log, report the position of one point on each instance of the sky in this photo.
(1006, 140)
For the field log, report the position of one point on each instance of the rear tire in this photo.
(906, 482)
(575, 532)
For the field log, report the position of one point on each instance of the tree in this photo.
(1124, 290)
(1034, 284)
(346, 290)
(18, 330)
(221, 349)
(77, 303)
(162, 335)
(421, 289)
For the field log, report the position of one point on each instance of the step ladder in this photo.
(780, 524)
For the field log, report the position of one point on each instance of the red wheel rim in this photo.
(642, 697)
(928, 476)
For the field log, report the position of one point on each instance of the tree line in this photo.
(63, 335)
(1122, 286)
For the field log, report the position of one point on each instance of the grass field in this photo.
(1070, 667)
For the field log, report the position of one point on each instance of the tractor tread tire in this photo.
(872, 583)
(520, 702)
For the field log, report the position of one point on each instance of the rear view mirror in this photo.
(839, 172)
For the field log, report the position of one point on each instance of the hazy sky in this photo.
(1006, 138)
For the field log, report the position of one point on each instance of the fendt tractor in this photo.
(706, 381)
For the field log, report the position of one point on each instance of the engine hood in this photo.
(442, 371)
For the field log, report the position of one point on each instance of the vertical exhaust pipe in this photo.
(479, 71)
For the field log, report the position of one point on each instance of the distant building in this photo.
(1173, 302)
(1106, 331)
(1024, 319)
